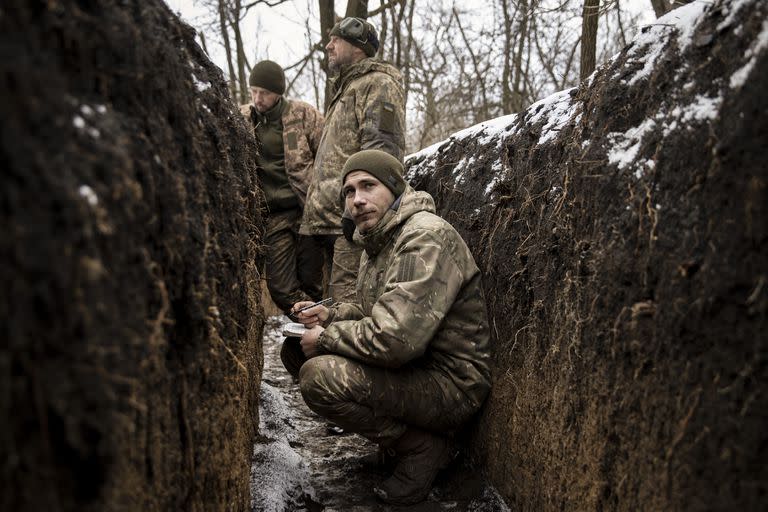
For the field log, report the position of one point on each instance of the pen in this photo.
(318, 303)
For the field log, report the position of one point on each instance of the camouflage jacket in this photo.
(302, 128)
(420, 302)
(367, 111)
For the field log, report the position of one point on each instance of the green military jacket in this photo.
(420, 302)
(367, 111)
(302, 129)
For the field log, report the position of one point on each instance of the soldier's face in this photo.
(367, 199)
(263, 99)
(341, 52)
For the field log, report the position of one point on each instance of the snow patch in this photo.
(731, 9)
(279, 475)
(558, 109)
(88, 194)
(200, 85)
(685, 19)
(627, 144)
(649, 45)
(739, 78)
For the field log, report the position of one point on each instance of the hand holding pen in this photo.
(311, 313)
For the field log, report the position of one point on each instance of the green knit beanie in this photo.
(357, 32)
(385, 167)
(268, 75)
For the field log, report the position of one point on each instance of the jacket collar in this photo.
(272, 115)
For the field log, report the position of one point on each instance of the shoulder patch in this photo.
(406, 269)
(387, 117)
(292, 141)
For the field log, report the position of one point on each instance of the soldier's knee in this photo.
(292, 357)
(317, 379)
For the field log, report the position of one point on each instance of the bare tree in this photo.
(357, 9)
(661, 7)
(589, 37)
(224, 28)
(460, 66)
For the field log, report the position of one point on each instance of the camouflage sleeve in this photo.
(381, 111)
(344, 311)
(421, 286)
(315, 122)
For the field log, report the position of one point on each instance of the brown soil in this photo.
(131, 359)
(628, 310)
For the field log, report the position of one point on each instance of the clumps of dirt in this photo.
(131, 308)
(622, 236)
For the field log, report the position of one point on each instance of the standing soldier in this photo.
(287, 133)
(367, 111)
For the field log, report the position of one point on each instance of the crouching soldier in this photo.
(408, 362)
(287, 133)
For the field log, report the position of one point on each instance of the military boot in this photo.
(420, 456)
(382, 458)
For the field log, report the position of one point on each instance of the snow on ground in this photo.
(298, 466)
(279, 475)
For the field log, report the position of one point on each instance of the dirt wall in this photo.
(621, 229)
(131, 357)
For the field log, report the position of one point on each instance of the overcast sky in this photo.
(277, 33)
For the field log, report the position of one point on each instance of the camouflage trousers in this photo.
(377, 403)
(294, 263)
(342, 262)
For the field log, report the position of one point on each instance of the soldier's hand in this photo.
(309, 341)
(312, 316)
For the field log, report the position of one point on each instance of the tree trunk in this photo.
(506, 73)
(357, 9)
(327, 19)
(241, 61)
(227, 47)
(661, 7)
(589, 37)
(517, 97)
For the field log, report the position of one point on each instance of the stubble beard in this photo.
(335, 65)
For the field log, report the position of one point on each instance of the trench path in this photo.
(300, 466)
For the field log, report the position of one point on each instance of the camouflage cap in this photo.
(385, 167)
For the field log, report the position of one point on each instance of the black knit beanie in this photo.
(369, 40)
(268, 75)
(385, 167)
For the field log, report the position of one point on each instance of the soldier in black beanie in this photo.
(287, 134)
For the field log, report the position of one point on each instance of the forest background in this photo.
(462, 62)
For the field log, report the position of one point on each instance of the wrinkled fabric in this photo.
(343, 272)
(367, 111)
(294, 264)
(419, 302)
(302, 130)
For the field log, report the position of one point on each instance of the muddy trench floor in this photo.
(299, 465)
